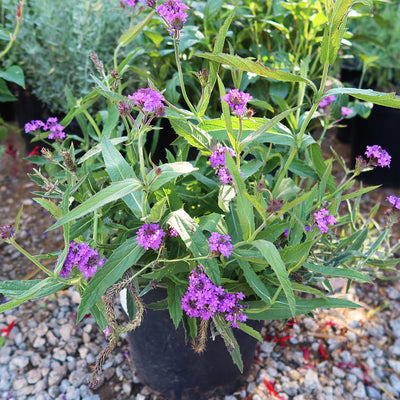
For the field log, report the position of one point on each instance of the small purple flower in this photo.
(220, 244)
(107, 332)
(225, 176)
(203, 299)
(150, 235)
(82, 257)
(327, 100)
(124, 108)
(237, 101)
(394, 201)
(346, 111)
(174, 15)
(323, 218)
(378, 156)
(173, 232)
(148, 101)
(56, 130)
(7, 232)
(131, 3)
(33, 126)
(217, 158)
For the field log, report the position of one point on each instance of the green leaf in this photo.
(118, 169)
(230, 342)
(115, 191)
(49, 206)
(250, 331)
(122, 258)
(320, 166)
(174, 302)
(97, 149)
(244, 207)
(195, 136)
(281, 310)
(225, 196)
(17, 289)
(254, 281)
(134, 31)
(270, 124)
(272, 256)
(14, 74)
(167, 172)
(245, 64)
(5, 94)
(294, 253)
(380, 98)
(338, 272)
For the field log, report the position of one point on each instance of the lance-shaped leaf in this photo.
(245, 64)
(134, 31)
(115, 191)
(122, 258)
(338, 272)
(166, 172)
(380, 98)
(273, 258)
(119, 169)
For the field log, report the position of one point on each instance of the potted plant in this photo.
(252, 229)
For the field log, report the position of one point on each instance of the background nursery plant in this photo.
(249, 226)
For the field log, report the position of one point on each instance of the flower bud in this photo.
(69, 163)
(47, 153)
(97, 63)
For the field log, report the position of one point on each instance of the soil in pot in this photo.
(169, 366)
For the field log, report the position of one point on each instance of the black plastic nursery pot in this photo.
(381, 128)
(169, 366)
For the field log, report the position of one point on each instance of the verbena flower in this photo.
(82, 257)
(220, 244)
(33, 126)
(148, 101)
(173, 13)
(394, 201)
(217, 158)
(324, 219)
(7, 231)
(345, 111)
(378, 156)
(173, 232)
(150, 235)
(124, 108)
(203, 299)
(131, 3)
(327, 100)
(107, 332)
(237, 100)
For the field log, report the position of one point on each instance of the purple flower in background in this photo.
(149, 101)
(346, 111)
(131, 3)
(323, 219)
(7, 231)
(174, 15)
(217, 158)
(220, 244)
(150, 235)
(33, 126)
(237, 101)
(124, 108)
(327, 100)
(107, 332)
(378, 156)
(394, 201)
(173, 232)
(203, 299)
(82, 257)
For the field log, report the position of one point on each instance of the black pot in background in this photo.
(168, 365)
(381, 128)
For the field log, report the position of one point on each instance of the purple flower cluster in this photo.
(150, 235)
(131, 3)
(124, 108)
(7, 231)
(327, 100)
(148, 101)
(56, 130)
(84, 258)
(174, 15)
(203, 299)
(237, 101)
(394, 201)
(220, 244)
(173, 232)
(345, 111)
(217, 160)
(323, 218)
(378, 156)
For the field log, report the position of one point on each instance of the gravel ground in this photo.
(340, 354)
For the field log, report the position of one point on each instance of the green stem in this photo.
(31, 258)
(93, 123)
(141, 158)
(181, 80)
